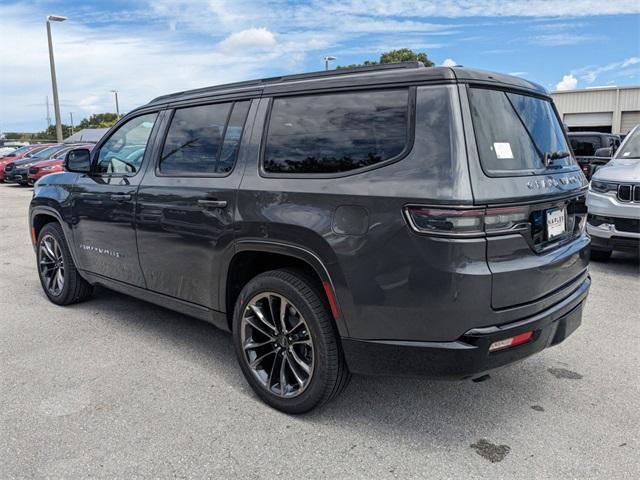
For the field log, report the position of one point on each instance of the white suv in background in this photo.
(613, 201)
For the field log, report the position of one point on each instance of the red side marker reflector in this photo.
(511, 342)
(332, 300)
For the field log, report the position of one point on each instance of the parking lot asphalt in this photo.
(115, 387)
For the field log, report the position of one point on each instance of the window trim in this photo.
(411, 111)
(171, 113)
(147, 151)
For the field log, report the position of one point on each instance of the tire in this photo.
(601, 255)
(53, 253)
(309, 338)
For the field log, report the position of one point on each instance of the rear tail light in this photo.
(466, 222)
(511, 342)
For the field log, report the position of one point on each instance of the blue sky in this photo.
(148, 48)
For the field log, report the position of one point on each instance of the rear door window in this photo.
(203, 140)
(335, 133)
(517, 134)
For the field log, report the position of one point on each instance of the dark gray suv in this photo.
(394, 219)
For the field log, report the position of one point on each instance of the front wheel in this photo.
(286, 343)
(59, 277)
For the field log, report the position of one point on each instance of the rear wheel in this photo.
(59, 277)
(600, 255)
(285, 341)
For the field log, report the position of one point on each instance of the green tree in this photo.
(51, 131)
(99, 120)
(396, 56)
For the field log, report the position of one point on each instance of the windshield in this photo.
(46, 152)
(18, 151)
(630, 148)
(517, 134)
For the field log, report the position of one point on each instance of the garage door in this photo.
(629, 120)
(600, 119)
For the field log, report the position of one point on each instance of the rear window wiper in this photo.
(549, 157)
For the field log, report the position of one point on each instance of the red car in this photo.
(20, 154)
(56, 164)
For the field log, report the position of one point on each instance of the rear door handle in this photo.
(120, 197)
(213, 203)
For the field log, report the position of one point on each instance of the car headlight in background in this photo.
(603, 187)
(48, 169)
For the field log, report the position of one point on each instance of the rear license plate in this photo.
(555, 223)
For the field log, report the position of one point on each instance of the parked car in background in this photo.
(613, 201)
(47, 167)
(593, 149)
(19, 154)
(6, 150)
(335, 222)
(16, 172)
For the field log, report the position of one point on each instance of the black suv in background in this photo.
(393, 219)
(593, 149)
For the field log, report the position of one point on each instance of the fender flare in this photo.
(296, 251)
(52, 212)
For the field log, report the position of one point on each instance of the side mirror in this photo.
(78, 160)
(603, 152)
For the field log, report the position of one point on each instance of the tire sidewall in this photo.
(315, 391)
(54, 230)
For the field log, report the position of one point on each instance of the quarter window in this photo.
(124, 151)
(336, 133)
(204, 139)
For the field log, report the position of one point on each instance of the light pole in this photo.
(71, 116)
(115, 92)
(327, 59)
(54, 83)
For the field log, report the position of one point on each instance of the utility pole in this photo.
(48, 113)
(54, 83)
(115, 92)
(327, 59)
(71, 115)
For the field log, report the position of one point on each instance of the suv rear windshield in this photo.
(584, 146)
(517, 134)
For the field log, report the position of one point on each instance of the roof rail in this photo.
(295, 76)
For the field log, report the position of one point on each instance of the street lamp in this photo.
(115, 92)
(327, 59)
(54, 83)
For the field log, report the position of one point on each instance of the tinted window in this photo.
(515, 132)
(204, 139)
(584, 146)
(124, 151)
(336, 132)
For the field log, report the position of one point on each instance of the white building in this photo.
(601, 109)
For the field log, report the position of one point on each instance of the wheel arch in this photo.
(253, 257)
(42, 215)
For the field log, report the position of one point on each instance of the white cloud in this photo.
(590, 74)
(250, 39)
(556, 39)
(568, 82)
(449, 62)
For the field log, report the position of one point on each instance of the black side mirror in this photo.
(603, 152)
(78, 160)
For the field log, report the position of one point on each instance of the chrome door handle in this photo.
(120, 197)
(213, 203)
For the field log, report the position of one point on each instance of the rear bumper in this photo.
(469, 356)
